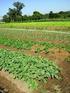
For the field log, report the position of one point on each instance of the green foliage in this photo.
(36, 15)
(18, 6)
(25, 39)
(66, 47)
(15, 14)
(53, 15)
(27, 68)
(67, 59)
(16, 43)
(47, 45)
(39, 49)
(36, 25)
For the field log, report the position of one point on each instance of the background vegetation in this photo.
(15, 15)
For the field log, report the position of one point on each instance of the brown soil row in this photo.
(12, 86)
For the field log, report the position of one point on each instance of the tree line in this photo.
(15, 15)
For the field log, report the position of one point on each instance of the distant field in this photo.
(39, 25)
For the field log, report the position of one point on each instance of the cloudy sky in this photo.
(43, 6)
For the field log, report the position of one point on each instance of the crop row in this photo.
(29, 69)
(26, 39)
(27, 44)
(34, 34)
(36, 25)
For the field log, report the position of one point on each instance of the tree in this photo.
(36, 15)
(14, 14)
(51, 14)
(56, 15)
(18, 6)
(25, 18)
(6, 18)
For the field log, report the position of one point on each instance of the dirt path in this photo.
(11, 85)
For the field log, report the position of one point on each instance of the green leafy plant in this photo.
(27, 68)
(67, 59)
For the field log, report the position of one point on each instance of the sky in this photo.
(43, 6)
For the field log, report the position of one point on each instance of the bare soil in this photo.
(10, 85)
(7, 47)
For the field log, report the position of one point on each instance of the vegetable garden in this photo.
(34, 56)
